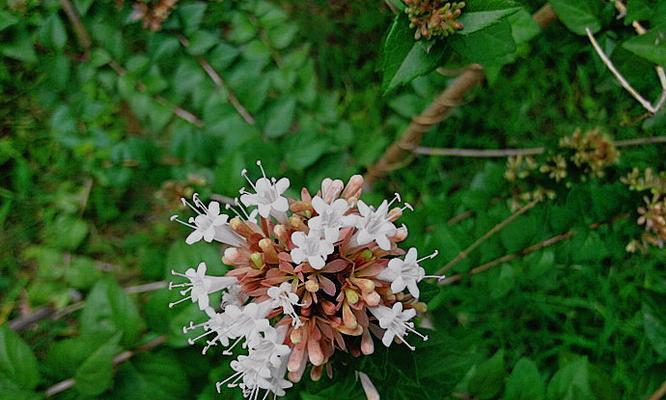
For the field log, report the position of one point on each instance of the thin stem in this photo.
(119, 359)
(219, 82)
(623, 82)
(530, 151)
(659, 393)
(23, 322)
(80, 31)
(528, 250)
(463, 254)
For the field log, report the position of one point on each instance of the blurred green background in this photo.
(102, 136)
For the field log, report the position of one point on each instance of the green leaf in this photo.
(654, 323)
(95, 375)
(486, 46)
(67, 232)
(201, 42)
(7, 20)
(279, 117)
(109, 310)
(21, 48)
(53, 32)
(650, 46)
(571, 382)
(305, 149)
(577, 15)
(152, 376)
(18, 365)
(637, 10)
(192, 14)
(525, 383)
(403, 58)
(488, 378)
(182, 256)
(475, 21)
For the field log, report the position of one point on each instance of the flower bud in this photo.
(354, 188)
(312, 286)
(372, 298)
(351, 296)
(270, 253)
(257, 260)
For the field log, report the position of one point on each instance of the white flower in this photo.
(241, 323)
(263, 368)
(330, 218)
(283, 296)
(268, 194)
(209, 224)
(405, 274)
(234, 296)
(311, 248)
(200, 285)
(374, 225)
(396, 323)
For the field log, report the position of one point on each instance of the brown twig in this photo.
(659, 393)
(119, 359)
(531, 151)
(528, 250)
(219, 82)
(44, 312)
(398, 154)
(463, 254)
(82, 36)
(460, 217)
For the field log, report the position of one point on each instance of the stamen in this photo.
(227, 351)
(178, 285)
(243, 210)
(229, 207)
(198, 202)
(187, 203)
(186, 291)
(438, 277)
(175, 218)
(193, 326)
(244, 175)
(219, 385)
(261, 167)
(417, 333)
(176, 273)
(178, 302)
(203, 335)
(433, 255)
(395, 198)
(412, 348)
(407, 206)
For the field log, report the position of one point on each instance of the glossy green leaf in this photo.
(525, 382)
(578, 14)
(475, 21)
(18, 364)
(651, 46)
(95, 375)
(109, 310)
(403, 58)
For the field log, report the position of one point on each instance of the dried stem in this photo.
(659, 393)
(80, 31)
(463, 254)
(399, 153)
(528, 250)
(531, 151)
(623, 82)
(23, 322)
(219, 82)
(119, 359)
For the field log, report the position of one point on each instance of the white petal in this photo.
(350, 220)
(264, 210)
(363, 208)
(319, 205)
(248, 199)
(298, 238)
(282, 185)
(340, 206)
(363, 237)
(281, 204)
(315, 223)
(411, 256)
(214, 208)
(209, 234)
(297, 256)
(387, 339)
(383, 242)
(398, 285)
(316, 262)
(413, 289)
(194, 237)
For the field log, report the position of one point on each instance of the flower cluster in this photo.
(308, 277)
(583, 155)
(651, 215)
(434, 18)
(153, 13)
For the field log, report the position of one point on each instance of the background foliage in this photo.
(99, 143)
